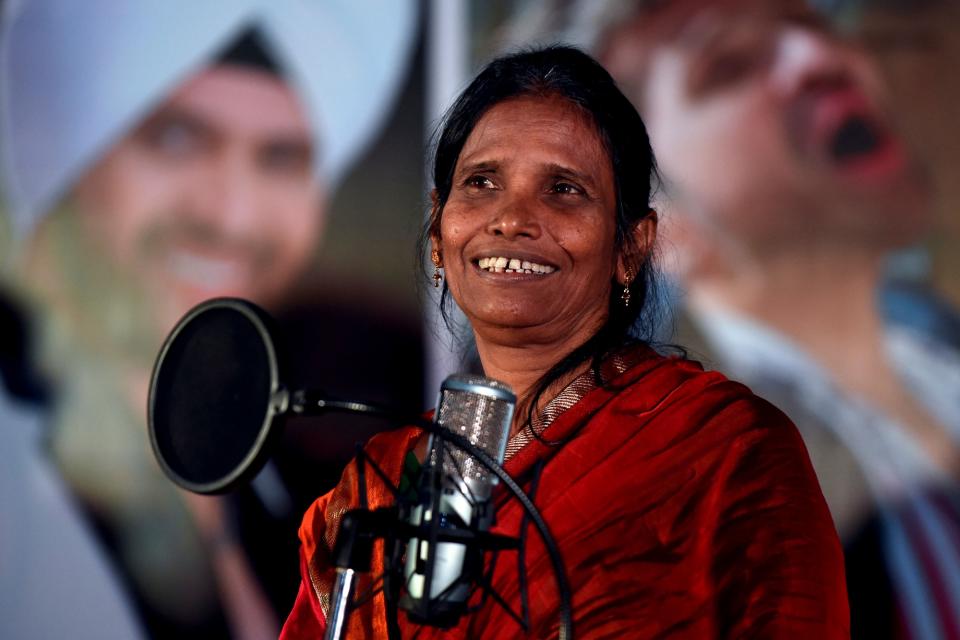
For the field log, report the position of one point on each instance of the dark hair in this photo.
(568, 73)
(250, 49)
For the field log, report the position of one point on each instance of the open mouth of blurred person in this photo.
(839, 127)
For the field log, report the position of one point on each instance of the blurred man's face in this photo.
(771, 129)
(212, 195)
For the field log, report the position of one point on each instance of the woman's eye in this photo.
(566, 188)
(479, 182)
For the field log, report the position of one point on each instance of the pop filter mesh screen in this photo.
(212, 395)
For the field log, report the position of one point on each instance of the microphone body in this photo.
(455, 495)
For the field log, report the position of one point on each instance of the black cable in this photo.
(522, 551)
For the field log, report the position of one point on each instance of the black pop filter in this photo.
(214, 394)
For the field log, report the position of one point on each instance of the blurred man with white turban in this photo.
(156, 155)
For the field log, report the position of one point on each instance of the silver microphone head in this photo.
(479, 409)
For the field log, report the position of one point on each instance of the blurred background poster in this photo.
(156, 155)
(159, 154)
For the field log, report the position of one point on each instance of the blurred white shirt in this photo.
(55, 580)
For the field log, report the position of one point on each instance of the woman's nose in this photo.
(516, 219)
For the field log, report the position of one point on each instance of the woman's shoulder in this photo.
(671, 399)
(394, 444)
(662, 380)
(749, 451)
(678, 454)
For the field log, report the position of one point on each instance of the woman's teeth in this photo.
(512, 265)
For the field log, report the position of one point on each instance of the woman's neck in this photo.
(522, 367)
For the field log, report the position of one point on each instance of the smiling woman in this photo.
(682, 504)
(534, 185)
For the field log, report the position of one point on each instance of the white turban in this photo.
(76, 76)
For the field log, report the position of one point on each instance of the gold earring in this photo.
(625, 296)
(435, 257)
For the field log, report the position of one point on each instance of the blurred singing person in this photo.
(683, 505)
(791, 185)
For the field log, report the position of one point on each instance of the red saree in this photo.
(683, 506)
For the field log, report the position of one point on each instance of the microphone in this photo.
(457, 488)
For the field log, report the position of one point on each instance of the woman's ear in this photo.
(434, 219)
(632, 254)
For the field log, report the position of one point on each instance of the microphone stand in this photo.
(359, 529)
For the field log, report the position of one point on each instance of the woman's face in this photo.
(527, 233)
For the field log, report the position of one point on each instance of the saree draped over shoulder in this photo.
(683, 506)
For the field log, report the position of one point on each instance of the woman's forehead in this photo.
(514, 125)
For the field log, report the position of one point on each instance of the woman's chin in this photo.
(535, 326)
